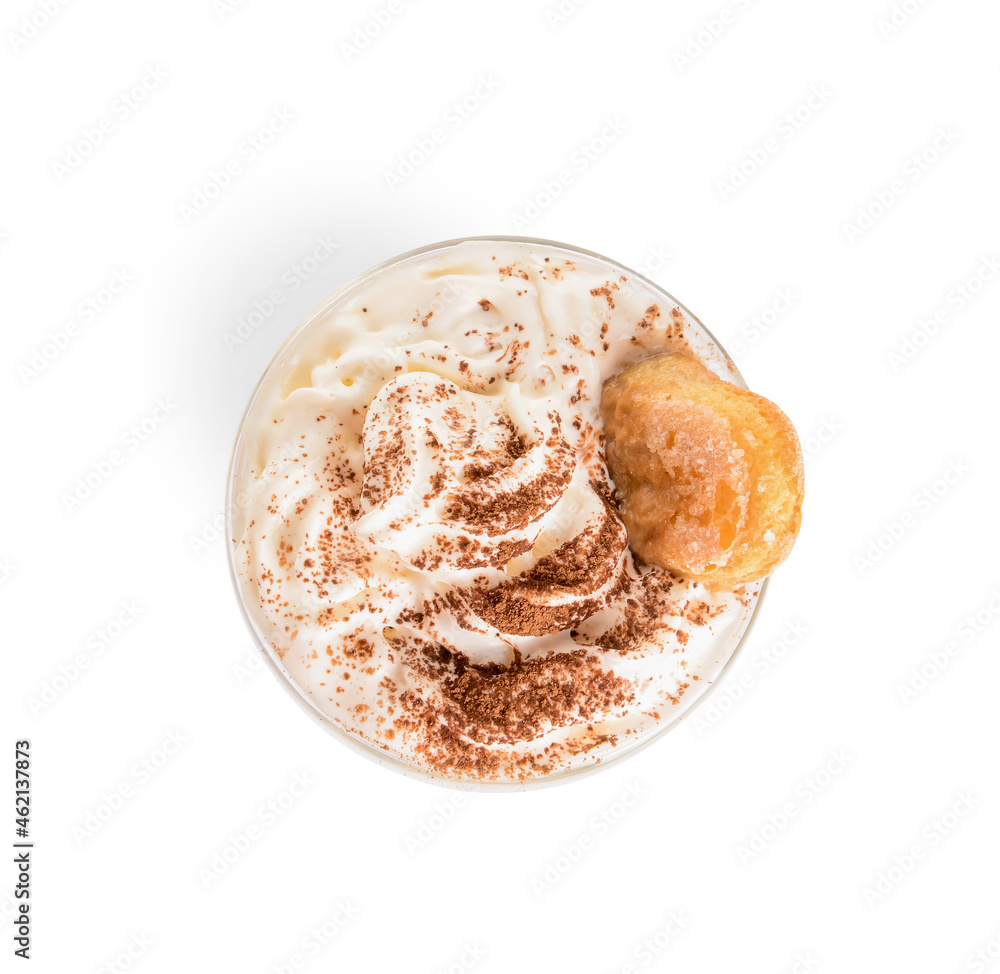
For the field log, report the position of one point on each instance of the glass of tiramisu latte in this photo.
(500, 510)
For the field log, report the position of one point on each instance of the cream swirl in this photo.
(470, 482)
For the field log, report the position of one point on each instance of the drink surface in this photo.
(426, 535)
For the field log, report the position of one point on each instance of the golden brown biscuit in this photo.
(709, 476)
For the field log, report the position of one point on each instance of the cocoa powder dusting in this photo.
(484, 706)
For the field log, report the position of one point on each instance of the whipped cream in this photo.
(425, 532)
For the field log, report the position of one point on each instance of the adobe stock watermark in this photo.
(802, 963)
(251, 665)
(368, 32)
(558, 14)
(225, 8)
(654, 944)
(785, 129)
(580, 160)
(823, 435)
(803, 795)
(266, 816)
(212, 530)
(453, 118)
(122, 107)
(899, 16)
(433, 823)
(931, 836)
(471, 956)
(220, 179)
(290, 281)
(125, 959)
(7, 570)
(96, 644)
(25, 917)
(131, 440)
(726, 697)
(318, 937)
(973, 625)
(600, 825)
(921, 504)
(712, 28)
(85, 313)
(209, 532)
(657, 257)
(451, 291)
(956, 300)
(754, 328)
(985, 955)
(31, 25)
(888, 195)
(140, 773)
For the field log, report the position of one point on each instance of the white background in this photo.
(873, 206)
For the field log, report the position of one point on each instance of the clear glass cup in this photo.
(705, 344)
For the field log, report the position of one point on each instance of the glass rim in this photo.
(372, 751)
